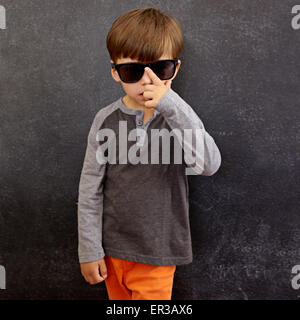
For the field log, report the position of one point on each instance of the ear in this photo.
(179, 64)
(115, 74)
(177, 69)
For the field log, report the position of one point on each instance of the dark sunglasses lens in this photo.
(164, 69)
(131, 73)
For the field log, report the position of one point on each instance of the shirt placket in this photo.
(140, 125)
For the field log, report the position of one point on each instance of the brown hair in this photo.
(144, 35)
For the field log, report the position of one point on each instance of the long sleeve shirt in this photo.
(135, 209)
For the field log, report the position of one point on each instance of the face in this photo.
(134, 90)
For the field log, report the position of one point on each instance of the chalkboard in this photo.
(240, 72)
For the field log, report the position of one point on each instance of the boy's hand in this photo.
(154, 92)
(90, 271)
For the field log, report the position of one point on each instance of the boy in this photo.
(133, 219)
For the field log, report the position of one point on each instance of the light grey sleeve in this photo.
(90, 200)
(202, 147)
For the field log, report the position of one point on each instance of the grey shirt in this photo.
(140, 211)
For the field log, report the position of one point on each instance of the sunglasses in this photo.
(132, 72)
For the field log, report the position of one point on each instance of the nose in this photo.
(145, 78)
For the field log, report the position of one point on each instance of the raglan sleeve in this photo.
(201, 154)
(90, 200)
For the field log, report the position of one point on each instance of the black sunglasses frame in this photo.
(117, 67)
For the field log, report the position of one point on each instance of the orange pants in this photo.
(130, 280)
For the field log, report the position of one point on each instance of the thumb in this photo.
(103, 269)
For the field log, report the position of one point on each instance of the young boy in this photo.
(133, 218)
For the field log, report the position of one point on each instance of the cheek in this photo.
(130, 88)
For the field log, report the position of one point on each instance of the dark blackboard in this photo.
(241, 74)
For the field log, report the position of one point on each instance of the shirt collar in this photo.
(127, 110)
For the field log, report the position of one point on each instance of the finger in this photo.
(89, 279)
(95, 279)
(148, 94)
(153, 77)
(150, 103)
(96, 282)
(148, 87)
